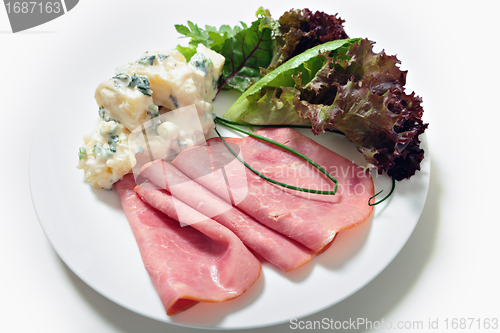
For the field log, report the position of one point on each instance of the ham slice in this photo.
(205, 262)
(312, 220)
(279, 250)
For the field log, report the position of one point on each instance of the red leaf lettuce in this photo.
(358, 92)
(300, 29)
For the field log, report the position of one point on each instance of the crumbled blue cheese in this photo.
(132, 97)
(105, 154)
(176, 83)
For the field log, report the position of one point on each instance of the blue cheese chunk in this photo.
(132, 98)
(210, 64)
(175, 83)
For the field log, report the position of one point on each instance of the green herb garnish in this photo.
(113, 141)
(121, 76)
(140, 82)
(103, 114)
(102, 152)
(82, 153)
(291, 150)
(163, 56)
(385, 198)
(231, 124)
(201, 63)
(148, 60)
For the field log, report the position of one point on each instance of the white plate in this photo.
(89, 231)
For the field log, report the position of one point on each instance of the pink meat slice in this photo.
(205, 262)
(312, 220)
(283, 252)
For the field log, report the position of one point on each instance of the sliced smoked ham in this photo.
(279, 250)
(312, 220)
(203, 262)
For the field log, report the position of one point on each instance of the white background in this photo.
(449, 267)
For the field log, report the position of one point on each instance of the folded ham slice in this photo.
(203, 262)
(279, 250)
(312, 220)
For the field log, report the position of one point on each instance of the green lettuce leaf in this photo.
(267, 101)
(246, 48)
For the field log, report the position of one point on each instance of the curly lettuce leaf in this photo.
(246, 48)
(370, 107)
(299, 30)
(354, 90)
(384, 128)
